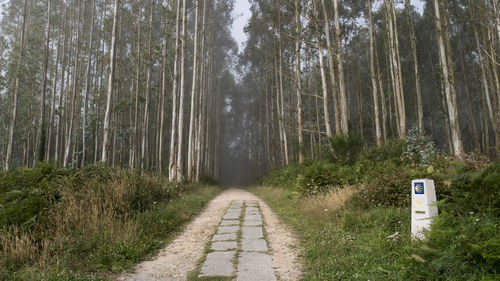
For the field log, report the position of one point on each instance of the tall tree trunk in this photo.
(450, 98)
(162, 99)
(68, 89)
(172, 157)
(59, 129)
(194, 88)
(112, 65)
(326, 110)
(396, 67)
(54, 87)
(135, 148)
(180, 129)
(360, 100)
(298, 78)
(12, 125)
(99, 91)
(344, 113)
(331, 64)
(378, 132)
(484, 80)
(391, 76)
(145, 120)
(281, 91)
(420, 111)
(42, 125)
(380, 84)
(69, 133)
(87, 86)
(201, 102)
(401, 97)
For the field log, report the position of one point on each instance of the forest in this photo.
(376, 69)
(88, 82)
(161, 85)
(121, 120)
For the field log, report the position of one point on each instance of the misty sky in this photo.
(242, 14)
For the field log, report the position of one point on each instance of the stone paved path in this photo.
(179, 259)
(239, 247)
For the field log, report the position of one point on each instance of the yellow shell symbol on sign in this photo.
(419, 188)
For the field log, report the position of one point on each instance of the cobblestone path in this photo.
(239, 248)
(245, 229)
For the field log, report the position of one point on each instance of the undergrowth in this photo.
(88, 224)
(366, 236)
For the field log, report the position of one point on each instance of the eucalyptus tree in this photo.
(374, 76)
(42, 125)
(449, 86)
(13, 120)
(112, 66)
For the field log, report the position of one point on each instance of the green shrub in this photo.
(23, 178)
(344, 148)
(390, 188)
(464, 237)
(24, 193)
(391, 150)
(460, 248)
(420, 149)
(81, 223)
(285, 176)
(321, 176)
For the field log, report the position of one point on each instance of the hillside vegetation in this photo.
(352, 213)
(87, 224)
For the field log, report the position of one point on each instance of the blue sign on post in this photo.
(419, 187)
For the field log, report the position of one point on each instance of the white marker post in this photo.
(423, 206)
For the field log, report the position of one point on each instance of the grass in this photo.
(89, 224)
(343, 245)
(353, 218)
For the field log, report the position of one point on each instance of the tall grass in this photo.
(329, 201)
(93, 222)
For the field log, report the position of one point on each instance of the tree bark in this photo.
(420, 111)
(162, 100)
(69, 133)
(298, 78)
(281, 91)
(13, 120)
(180, 129)
(326, 110)
(54, 87)
(145, 120)
(396, 67)
(331, 64)
(42, 125)
(191, 172)
(107, 116)
(201, 102)
(378, 132)
(87, 87)
(484, 80)
(173, 143)
(450, 98)
(344, 113)
(135, 142)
